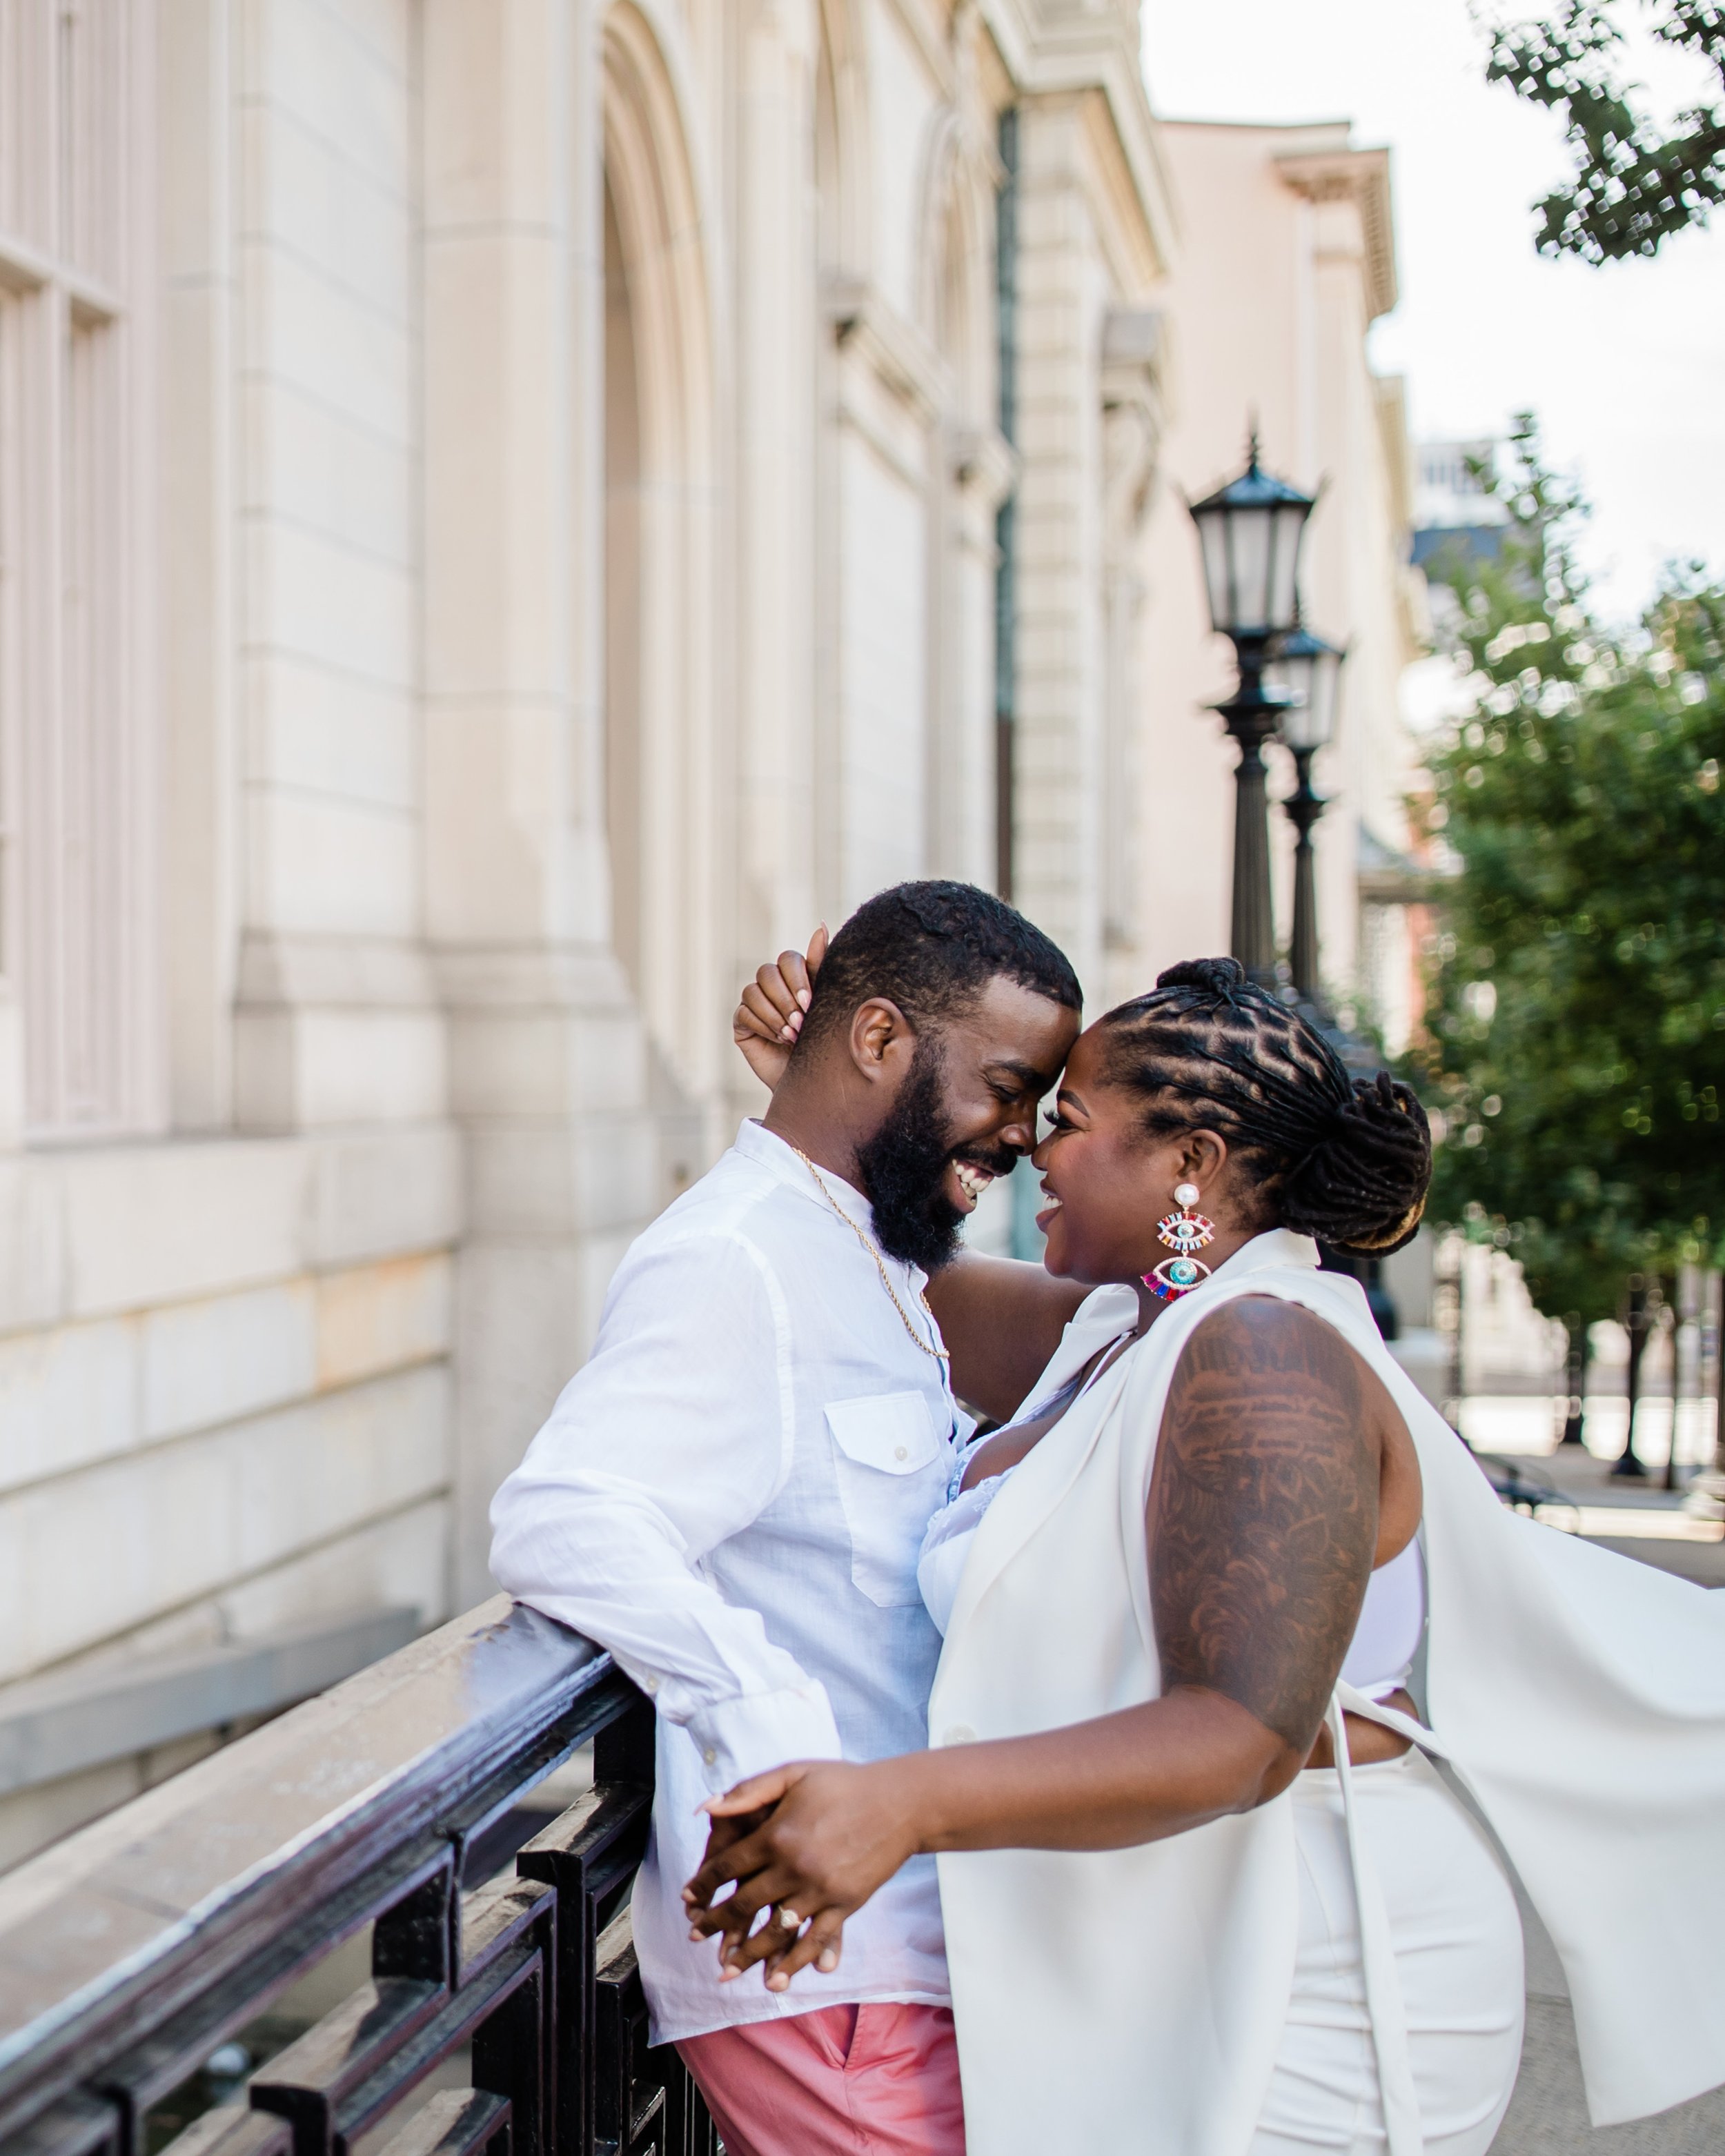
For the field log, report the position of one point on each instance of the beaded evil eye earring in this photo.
(1184, 1232)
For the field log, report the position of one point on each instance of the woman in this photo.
(1173, 1923)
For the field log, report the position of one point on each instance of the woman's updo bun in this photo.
(1219, 977)
(1362, 1187)
(1347, 1161)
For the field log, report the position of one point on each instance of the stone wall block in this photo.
(327, 733)
(322, 467)
(490, 770)
(354, 222)
(324, 866)
(545, 1062)
(266, 1070)
(306, 334)
(340, 71)
(617, 1172)
(509, 1063)
(371, 1067)
(159, 1224)
(497, 303)
(404, 1560)
(329, 600)
(67, 1397)
(374, 1318)
(525, 1322)
(307, 1070)
(138, 1534)
(608, 1053)
(521, 1180)
(547, 1179)
(321, 1469)
(377, 1195)
(204, 1364)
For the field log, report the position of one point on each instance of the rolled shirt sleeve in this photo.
(676, 1434)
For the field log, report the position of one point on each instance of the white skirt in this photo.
(1457, 1953)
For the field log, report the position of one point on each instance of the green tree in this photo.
(1634, 184)
(1575, 1024)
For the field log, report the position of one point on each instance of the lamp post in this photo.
(1309, 670)
(1250, 533)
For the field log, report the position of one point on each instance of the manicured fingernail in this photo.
(786, 1033)
(828, 1962)
(778, 1983)
(804, 997)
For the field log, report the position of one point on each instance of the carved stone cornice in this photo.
(1362, 177)
(1051, 48)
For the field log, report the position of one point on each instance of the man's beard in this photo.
(903, 1165)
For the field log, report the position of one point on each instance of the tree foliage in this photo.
(1575, 1024)
(1634, 184)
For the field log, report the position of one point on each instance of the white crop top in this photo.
(1379, 1659)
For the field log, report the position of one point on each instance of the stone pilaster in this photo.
(548, 1078)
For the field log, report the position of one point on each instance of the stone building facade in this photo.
(1287, 257)
(508, 514)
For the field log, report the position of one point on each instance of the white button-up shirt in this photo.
(731, 1496)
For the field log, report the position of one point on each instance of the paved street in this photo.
(1549, 2114)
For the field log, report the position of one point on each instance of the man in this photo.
(731, 1495)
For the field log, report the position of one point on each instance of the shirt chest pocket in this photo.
(893, 1474)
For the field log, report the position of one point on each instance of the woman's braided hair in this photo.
(1345, 1160)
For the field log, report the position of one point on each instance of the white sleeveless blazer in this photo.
(1133, 2000)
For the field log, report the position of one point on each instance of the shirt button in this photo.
(710, 1756)
(901, 1452)
(961, 1732)
(649, 1685)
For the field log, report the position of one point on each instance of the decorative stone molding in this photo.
(867, 325)
(984, 462)
(1362, 177)
(1133, 415)
(1053, 48)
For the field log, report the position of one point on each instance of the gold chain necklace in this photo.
(939, 1354)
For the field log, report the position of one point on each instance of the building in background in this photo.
(1454, 508)
(1287, 257)
(508, 516)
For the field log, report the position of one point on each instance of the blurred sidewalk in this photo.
(1548, 2114)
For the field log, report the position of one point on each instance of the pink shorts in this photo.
(848, 2080)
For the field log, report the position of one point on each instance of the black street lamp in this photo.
(1309, 670)
(1250, 533)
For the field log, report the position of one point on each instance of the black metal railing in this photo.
(134, 1951)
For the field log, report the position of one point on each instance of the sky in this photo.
(1624, 365)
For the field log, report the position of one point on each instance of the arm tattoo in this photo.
(1263, 1513)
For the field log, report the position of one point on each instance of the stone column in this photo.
(546, 1056)
(773, 387)
(1131, 438)
(1058, 779)
(336, 1019)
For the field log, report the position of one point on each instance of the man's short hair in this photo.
(932, 948)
